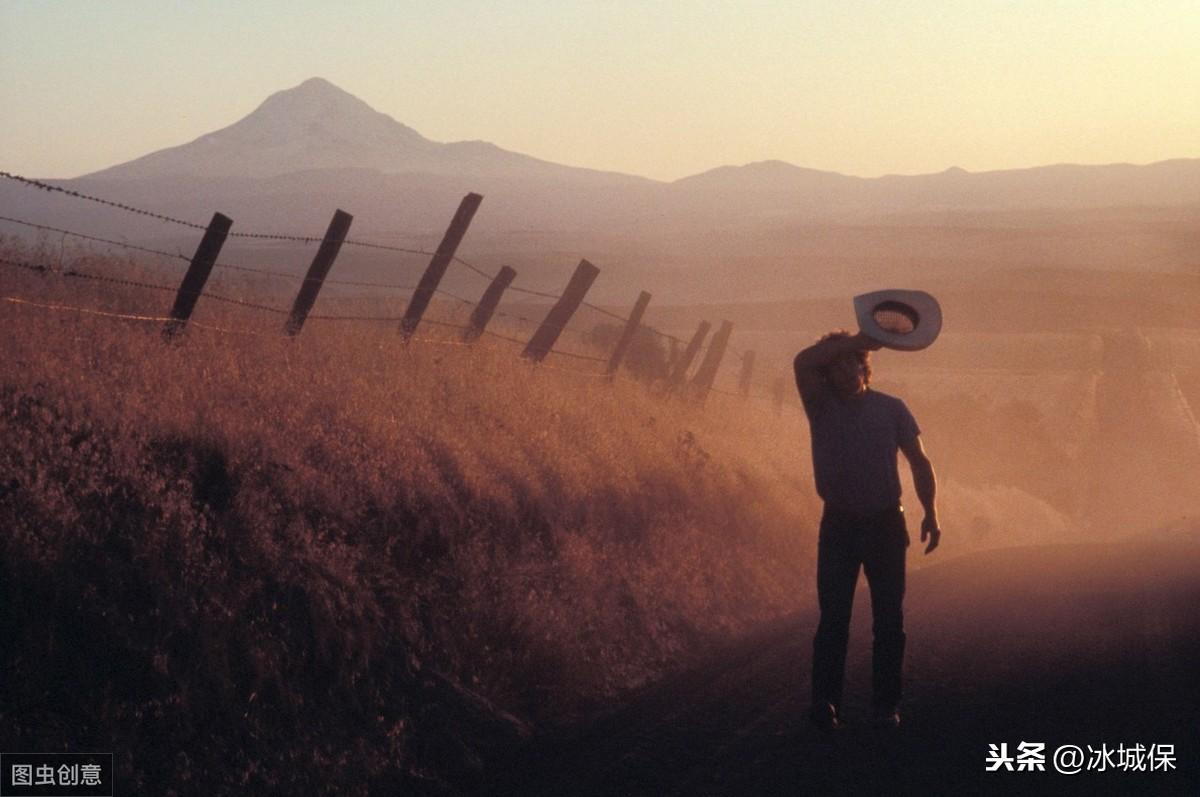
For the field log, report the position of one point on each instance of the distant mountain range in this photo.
(310, 149)
(317, 127)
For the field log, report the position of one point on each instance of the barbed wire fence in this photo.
(563, 340)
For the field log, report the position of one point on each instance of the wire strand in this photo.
(575, 356)
(608, 313)
(531, 292)
(126, 245)
(387, 247)
(576, 371)
(366, 318)
(137, 284)
(474, 268)
(126, 316)
(79, 195)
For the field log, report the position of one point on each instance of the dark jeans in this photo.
(878, 544)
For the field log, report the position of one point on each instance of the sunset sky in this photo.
(657, 89)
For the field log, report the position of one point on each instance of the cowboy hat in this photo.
(904, 320)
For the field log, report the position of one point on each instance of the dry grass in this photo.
(248, 562)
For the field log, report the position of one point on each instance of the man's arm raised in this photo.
(926, 483)
(810, 361)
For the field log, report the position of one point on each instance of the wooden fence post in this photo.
(331, 244)
(197, 274)
(556, 320)
(631, 328)
(439, 263)
(747, 374)
(706, 374)
(685, 360)
(483, 311)
(780, 390)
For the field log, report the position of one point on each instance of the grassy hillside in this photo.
(336, 563)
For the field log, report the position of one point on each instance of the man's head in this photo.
(850, 374)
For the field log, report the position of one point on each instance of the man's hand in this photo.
(930, 531)
(865, 342)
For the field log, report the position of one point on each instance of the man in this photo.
(856, 433)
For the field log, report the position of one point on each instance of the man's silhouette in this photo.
(856, 433)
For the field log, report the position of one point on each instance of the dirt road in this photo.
(1064, 645)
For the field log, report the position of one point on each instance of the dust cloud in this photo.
(1057, 407)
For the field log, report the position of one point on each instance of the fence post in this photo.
(685, 360)
(631, 328)
(331, 244)
(706, 374)
(747, 374)
(439, 263)
(483, 311)
(197, 274)
(556, 320)
(780, 389)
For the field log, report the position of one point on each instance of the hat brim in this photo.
(920, 314)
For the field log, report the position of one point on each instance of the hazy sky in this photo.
(659, 89)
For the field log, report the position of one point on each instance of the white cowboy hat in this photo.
(904, 320)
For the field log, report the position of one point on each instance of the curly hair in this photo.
(864, 356)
